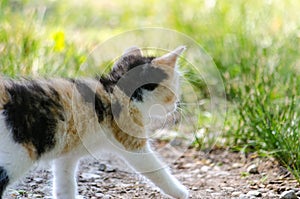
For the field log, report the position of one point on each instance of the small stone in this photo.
(252, 169)
(230, 189)
(296, 189)
(236, 193)
(216, 195)
(237, 165)
(205, 169)
(243, 196)
(209, 190)
(107, 197)
(271, 187)
(100, 195)
(271, 194)
(110, 169)
(263, 190)
(102, 167)
(288, 195)
(254, 193)
(195, 188)
(39, 180)
(221, 173)
(90, 176)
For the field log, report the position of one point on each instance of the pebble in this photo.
(237, 165)
(221, 173)
(288, 195)
(228, 189)
(271, 194)
(107, 197)
(99, 195)
(254, 193)
(102, 167)
(89, 176)
(39, 180)
(252, 169)
(236, 193)
(205, 169)
(209, 190)
(216, 195)
(296, 189)
(263, 190)
(243, 196)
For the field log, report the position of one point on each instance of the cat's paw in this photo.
(183, 194)
(180, 193)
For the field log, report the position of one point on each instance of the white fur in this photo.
(13, 157)
(64, 170)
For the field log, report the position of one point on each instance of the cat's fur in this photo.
(55, 119)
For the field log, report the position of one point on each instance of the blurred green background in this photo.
(255, 45)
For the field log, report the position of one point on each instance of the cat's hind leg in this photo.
(64, 170)
(145, 162)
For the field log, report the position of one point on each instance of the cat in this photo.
(55, 119)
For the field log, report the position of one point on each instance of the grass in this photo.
(255, 45)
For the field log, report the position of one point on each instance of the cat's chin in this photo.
(161, 116)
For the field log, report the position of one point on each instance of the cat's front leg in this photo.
(64, 170)
(145, 162)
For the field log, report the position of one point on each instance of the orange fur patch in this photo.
(128, 141)
(31, 150)
(130, 119)
(73, 139)
(136, 116)
(169, 99)
(70, 100)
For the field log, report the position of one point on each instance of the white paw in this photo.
(179, 193)
(183, 194)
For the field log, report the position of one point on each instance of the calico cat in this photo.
(54, 119)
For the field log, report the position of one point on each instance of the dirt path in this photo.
(218, 174)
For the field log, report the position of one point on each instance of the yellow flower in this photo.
(59, 41)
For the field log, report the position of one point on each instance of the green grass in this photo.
(255, 45)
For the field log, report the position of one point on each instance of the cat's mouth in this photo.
(161, 116)
(160, 111)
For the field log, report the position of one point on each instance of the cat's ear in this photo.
(134, 50)
(170, 58)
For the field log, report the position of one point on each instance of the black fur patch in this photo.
(4, 180)
(143, 77)
(32, 113)
(121, 68)
(91, 97)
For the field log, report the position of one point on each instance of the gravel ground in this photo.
(217, 174)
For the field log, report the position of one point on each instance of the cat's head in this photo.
(152, 83)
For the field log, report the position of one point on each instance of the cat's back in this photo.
(47, 115)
